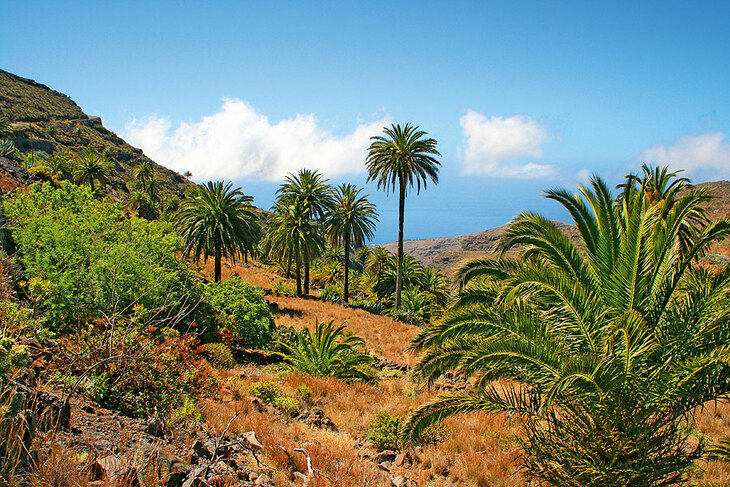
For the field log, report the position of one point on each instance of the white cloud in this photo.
(691, 152)
(238, 142)
(498, 146)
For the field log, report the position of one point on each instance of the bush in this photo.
(242, 316)
(384, 431)
(287, 405)
(219, 354)
(93, 259)
(305, 393)
(373, 308)
(154, 374)
(332, 293)
(266, 391)
(281, 287)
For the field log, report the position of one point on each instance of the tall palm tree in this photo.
(144, 173)
(351, 221)
(91, 167)
(401, 159)
(602, 347)
(310, 190)
(294, 236)
(220, 221)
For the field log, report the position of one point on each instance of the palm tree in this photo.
(144, 173)
(350, 221)
(311, 190)
(91, 167)
(329, 352)
(294, 236)
(187, 175)
(220, 221)
(401, 159)
(602, 347)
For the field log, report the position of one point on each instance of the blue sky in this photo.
(521, 96)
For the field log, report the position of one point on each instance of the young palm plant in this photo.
(401, 159)
(350, 221)
(602, 347)
(219, 221)
(329, 352)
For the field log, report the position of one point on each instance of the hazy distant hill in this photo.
(46, 120)
(447, 253)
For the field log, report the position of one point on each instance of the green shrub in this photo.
(242, 315)
(287, 405)
(373, 308)
(332, 293)
(281, 287)
(329, 351)
(305, 393)
(384, 431)
(266, 391)
(219, 354)
(95, 260)
(153, 375)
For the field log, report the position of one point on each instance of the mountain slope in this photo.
(48, 121)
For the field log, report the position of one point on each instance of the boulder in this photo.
(385, 456)
(155, 467)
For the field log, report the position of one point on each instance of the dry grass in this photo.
(479, 449)
(387, 338)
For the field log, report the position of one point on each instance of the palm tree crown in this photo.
(351, 221)
(401, 159)
(91, 167)
(220, 221)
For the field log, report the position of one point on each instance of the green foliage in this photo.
(384, 431)
(153, 373)
(329, 351)
(266, 391)
(281, 287)
(218, 221)
(608, 345)
(720, 451)
(287, 405)
(219, 354)
(305, 393)
(96, 261)
(331, 293)
(12, 356)
(7, 148)
(243, 317)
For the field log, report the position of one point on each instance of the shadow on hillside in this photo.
(290, 312)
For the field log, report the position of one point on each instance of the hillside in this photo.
(446, 253)
(48, 121)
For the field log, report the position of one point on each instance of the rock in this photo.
(49, 408)
(156, 467)
(196, 478)
(384, 466)
(200, 452)
(258, 405)
(316, 417)
(404, 459)
(250, 441)
(385, 456)
(154, 428)
(263, 480)
(109, 467)
(401, 481)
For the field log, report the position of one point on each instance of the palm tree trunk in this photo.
(401, 211)
(245, 256)
(217, 266)
(299, 276)
(288, 266)
(306, 275)
(346, 296)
